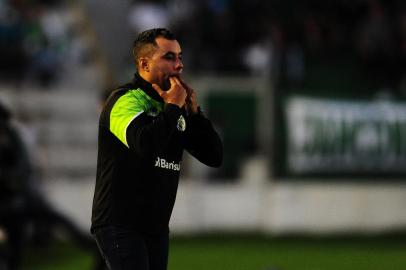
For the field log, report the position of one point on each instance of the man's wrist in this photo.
(174, 103)
(173, 109)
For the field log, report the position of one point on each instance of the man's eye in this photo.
(169, 57)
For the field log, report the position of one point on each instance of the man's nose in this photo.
(179, 65)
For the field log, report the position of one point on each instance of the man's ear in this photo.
(143, 64)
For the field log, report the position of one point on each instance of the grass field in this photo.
(251, 252)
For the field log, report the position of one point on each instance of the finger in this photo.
(189, 93)
(176, 81)
(183, 83)
(172, 80)
(187, 87)
(158, 89)
(191, 97)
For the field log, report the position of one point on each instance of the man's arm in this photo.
(148, 139)
(146, 136)
(202, 141)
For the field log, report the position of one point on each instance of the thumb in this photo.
(158, 89)
(189, 90)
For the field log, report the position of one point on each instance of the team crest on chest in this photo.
(181, 123)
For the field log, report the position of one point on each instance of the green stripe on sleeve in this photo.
(125, 110)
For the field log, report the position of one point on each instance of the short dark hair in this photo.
(145, 42)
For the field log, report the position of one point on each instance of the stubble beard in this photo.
(166, 84)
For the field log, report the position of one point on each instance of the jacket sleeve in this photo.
(147, 137)
(139, 132)
(202, 141)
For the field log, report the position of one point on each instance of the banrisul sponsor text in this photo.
(162, 163)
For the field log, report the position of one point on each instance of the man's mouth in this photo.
(167, 83)
(177, 75)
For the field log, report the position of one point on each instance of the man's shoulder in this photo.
(120, 91)
(127, 91)
(129, 99)
(120, 102)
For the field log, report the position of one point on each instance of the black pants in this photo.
(124, 249)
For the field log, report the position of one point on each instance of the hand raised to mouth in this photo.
(191, 99)
(175, 95)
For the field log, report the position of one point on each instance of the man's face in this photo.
(165, 62)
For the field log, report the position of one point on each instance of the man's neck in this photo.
(140, 82)
(146, 76)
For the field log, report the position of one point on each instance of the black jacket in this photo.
(141, 142)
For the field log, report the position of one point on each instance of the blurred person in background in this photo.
(378, 47)
(147, 14)
(13, 57)
(14, 172)
(144, 127)
(23, 206)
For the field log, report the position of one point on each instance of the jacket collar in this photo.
(145, 86)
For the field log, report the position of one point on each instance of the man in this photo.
(23, 207)
(14, 173)
(144, 128)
